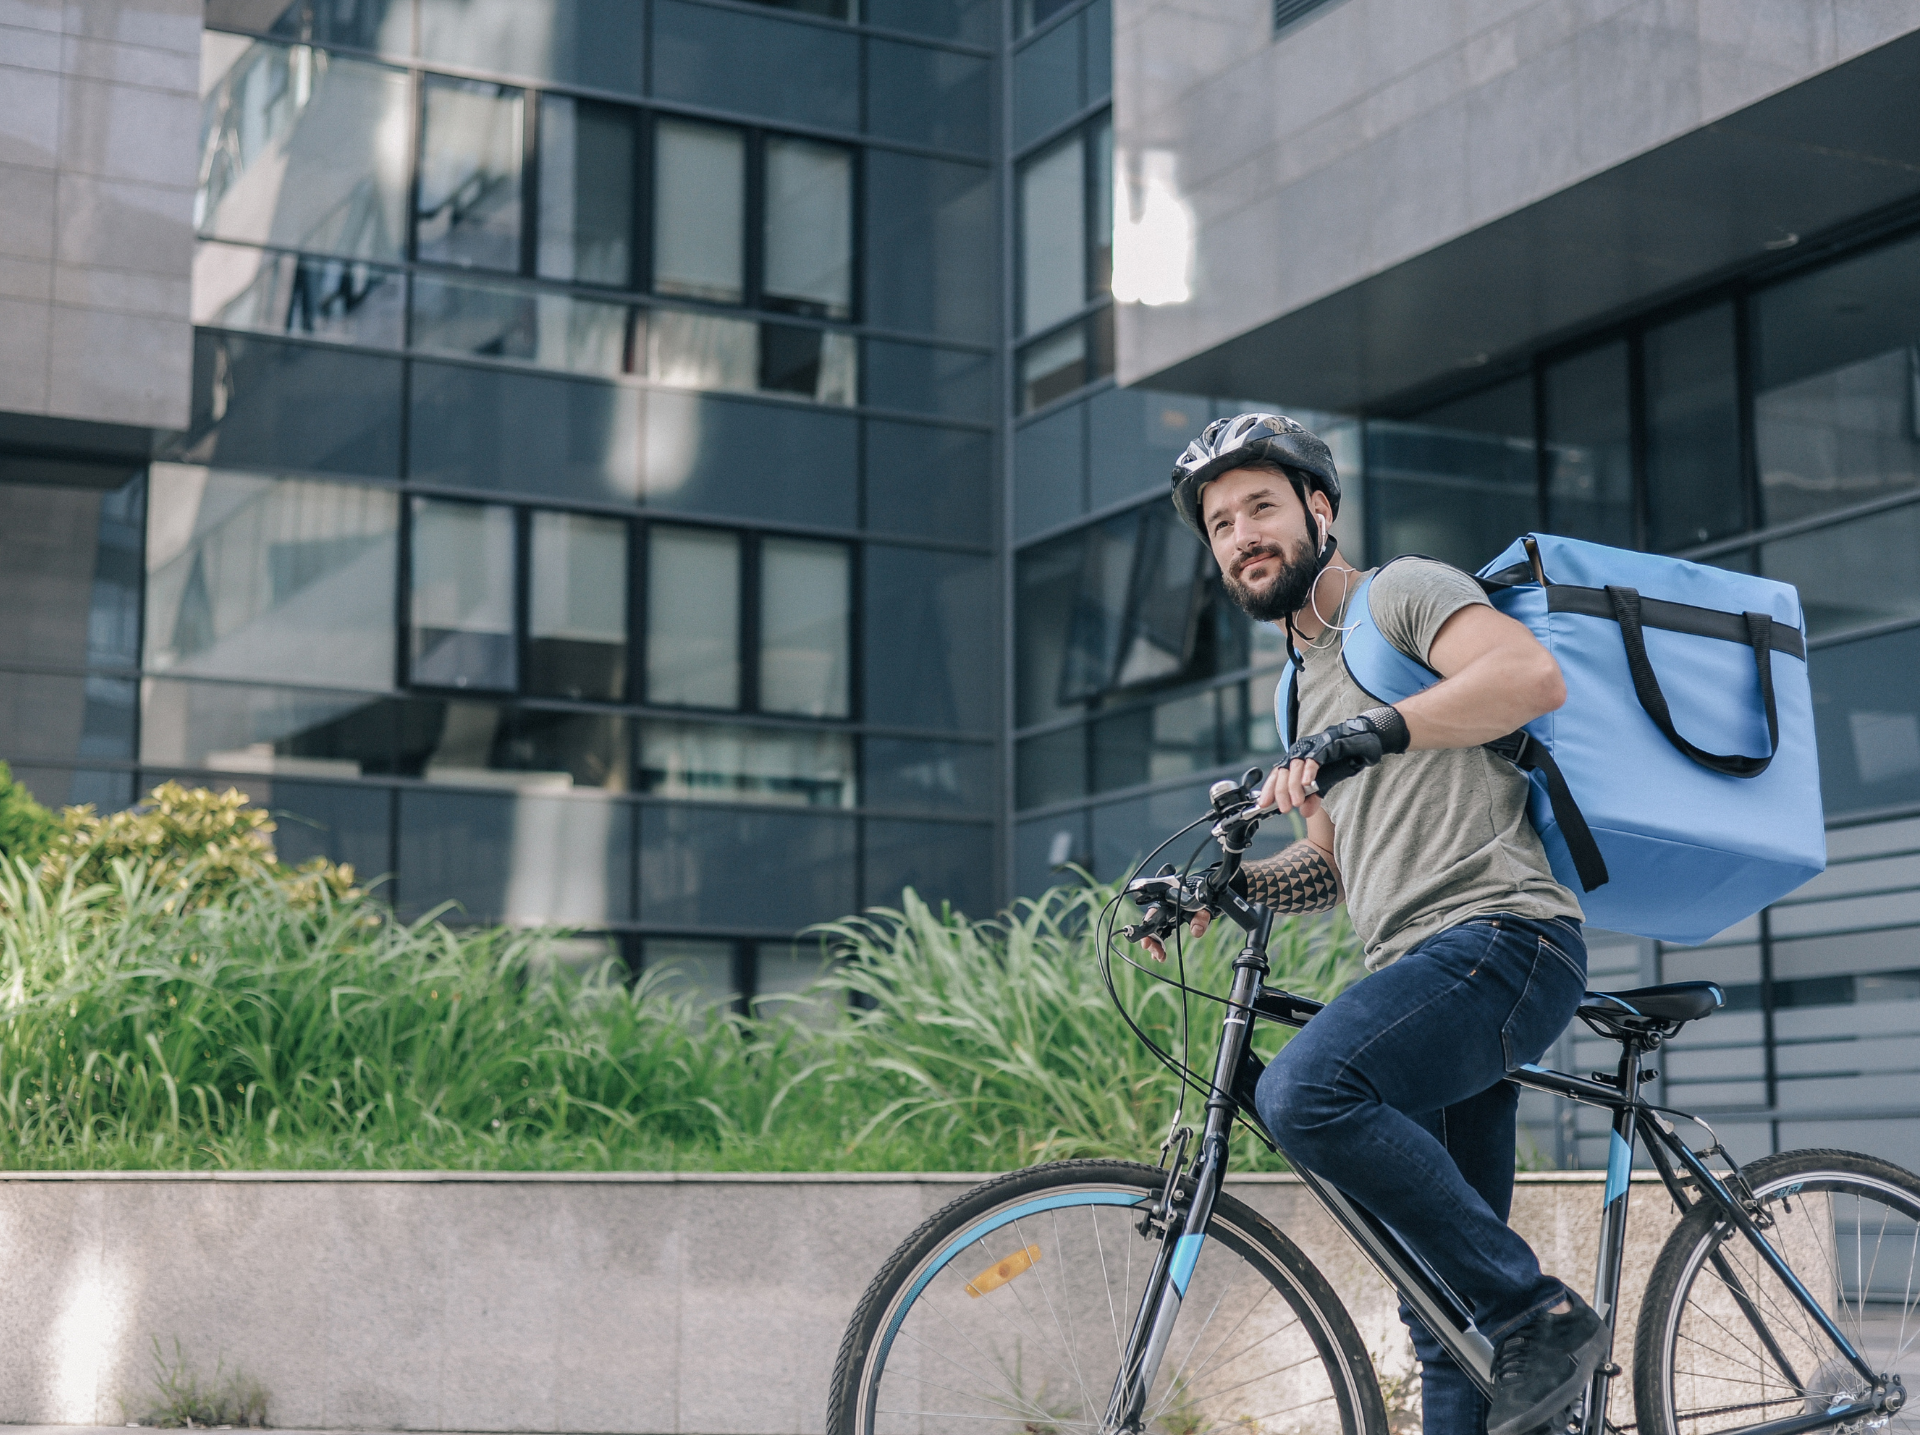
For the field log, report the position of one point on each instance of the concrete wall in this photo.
(99, 123)
(1379, 129)
(639, 1303)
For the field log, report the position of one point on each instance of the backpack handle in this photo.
(1646, 686)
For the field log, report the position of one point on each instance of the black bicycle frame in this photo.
(1236, 1070)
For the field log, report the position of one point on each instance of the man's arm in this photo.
(1300, 879)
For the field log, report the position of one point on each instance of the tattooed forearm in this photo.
(1300, 879)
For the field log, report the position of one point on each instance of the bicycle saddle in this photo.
(1645, 1009)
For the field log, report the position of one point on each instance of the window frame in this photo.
(1094, 316)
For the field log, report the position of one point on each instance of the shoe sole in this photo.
(1586, 1360)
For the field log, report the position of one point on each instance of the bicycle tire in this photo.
(1060, 1319)
(1848, 1227)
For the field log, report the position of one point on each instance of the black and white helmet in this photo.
(1226, 444)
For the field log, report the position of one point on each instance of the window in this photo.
(468, 206)
(1066, 262)
(1695, 489)
(703, 211)
(699, 211)
(461, 616)
(587, 191)
(729, 762)
(1461, 479)
(577, 607)
(698, 601)
(1588, 444)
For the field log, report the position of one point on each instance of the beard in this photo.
(1285, 593)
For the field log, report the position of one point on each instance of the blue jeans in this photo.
(1396, 1095)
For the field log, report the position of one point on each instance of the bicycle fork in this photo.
(1173, 1270)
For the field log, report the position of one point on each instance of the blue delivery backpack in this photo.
(1677, 789)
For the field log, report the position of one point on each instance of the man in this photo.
(1396, 1092)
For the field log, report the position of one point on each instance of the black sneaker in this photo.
(1542, 1367)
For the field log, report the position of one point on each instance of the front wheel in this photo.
(1009, 1310)
(1723, 1344)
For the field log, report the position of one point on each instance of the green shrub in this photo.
(26, 828)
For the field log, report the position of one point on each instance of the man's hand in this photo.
(1339, 751)
(1198, 927)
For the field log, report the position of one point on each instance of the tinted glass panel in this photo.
(928, 640)
(1460, 481)
(806, 608)
(363, 24)
(699, 210)
(586, 191)
(70, 575)
(818, 364)
(1852, 574)
(709, 972)
(270, 579)
(598, 43)
(765, 870)
(462, 565)
(1029, 13)
(1046, 83)
(296, 732)
(468, 210)
(1693, 431)
(948, 383)
(339, 821)
(693, 617)
(934, 776)
(944, 863)
(714, 762)
(492, 745)
(1098, 618)
(577, 607)
(1134, 436)
(757, 66)
(347, 301)
(1097, 26)
(1589, 455)
(1170, 739)
(1047, 581)
(929, 252)
(295, 150)
(528, 858)
(808, 237)
(1867, 696)
(1835, 375)
(46, 718)
(1053, 368)
(504, 321)
(1043, 848)
(703, 351)
(972, 20)
(927, 96)
(494, 429)
(929, 482)
(258, 403)
(693, 459)
(1049, 470)
(1051, 768)
(1053, 234)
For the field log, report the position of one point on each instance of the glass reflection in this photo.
(586, 191)
(708, 972)
(301, 149)
(270, 579)
(806, 606)
(598, 43)
(461, 615)
(703, 351)
(577, 607)
(349, 302)
(500, 321)
(818, 364)
(1053, 368)
(1852, 574)
(232, 727)
(693, 617)
(1693, 430)
(71, 574)
(1588, 442)
(727, 763)
(699, 211)
(1053, 242)
(468, 206)
(490, 745)
(808, 235)
(1459, 482)
(935, 776)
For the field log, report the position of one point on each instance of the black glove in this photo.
(1352, 746)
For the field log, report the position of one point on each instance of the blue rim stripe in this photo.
(1186, 1252)
(993, 1223)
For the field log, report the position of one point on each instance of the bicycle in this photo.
(1117, 1297)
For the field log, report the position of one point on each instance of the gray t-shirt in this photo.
(1425, 840)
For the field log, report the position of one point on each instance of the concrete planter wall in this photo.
(439, 1301)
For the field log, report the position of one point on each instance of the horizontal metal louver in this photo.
(1285, 12)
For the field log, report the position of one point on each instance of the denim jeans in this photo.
(1396, 1095)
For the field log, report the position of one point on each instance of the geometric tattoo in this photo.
(1300, 879)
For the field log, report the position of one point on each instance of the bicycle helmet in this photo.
(1226, 444)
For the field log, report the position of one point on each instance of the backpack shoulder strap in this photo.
(1380, 670)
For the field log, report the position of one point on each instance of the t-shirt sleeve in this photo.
(1412, 599)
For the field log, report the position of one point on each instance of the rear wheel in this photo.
(1008, 1310)
(1723, 1344)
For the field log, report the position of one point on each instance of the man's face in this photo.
(1259, 536)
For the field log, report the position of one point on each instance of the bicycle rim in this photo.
(1015, 1318)
(1737, 1349)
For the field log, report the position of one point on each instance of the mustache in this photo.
(1254, 555)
